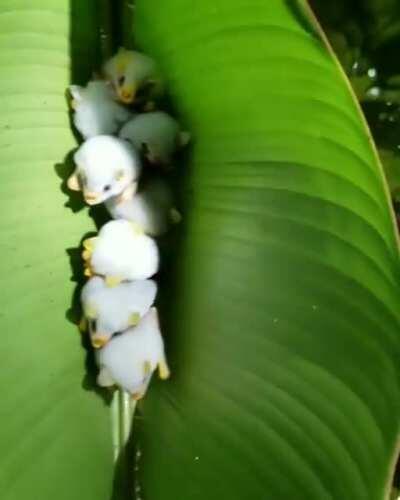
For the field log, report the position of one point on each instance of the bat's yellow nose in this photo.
(91, 198)
(126, 95)
(99, 341)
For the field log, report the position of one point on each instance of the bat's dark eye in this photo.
(92, 325)
(121, 80)
(107, 187)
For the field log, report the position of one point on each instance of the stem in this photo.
(122, 411)
(126, 410)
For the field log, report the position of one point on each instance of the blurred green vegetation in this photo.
(365, 35)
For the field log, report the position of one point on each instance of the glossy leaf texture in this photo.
(281, 306)
(55, 436)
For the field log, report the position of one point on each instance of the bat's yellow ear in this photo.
(89, 243)
(73, 182)
(76, 95)
(88, 272)
(112, 281)
(163, 370)
(87, 255)
(134, 319)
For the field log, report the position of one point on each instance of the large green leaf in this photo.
(281, 307)
(55, 436)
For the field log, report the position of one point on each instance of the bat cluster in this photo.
(123, 131)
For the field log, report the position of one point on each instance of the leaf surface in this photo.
(281, 307)
(55, 436)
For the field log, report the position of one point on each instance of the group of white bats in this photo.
(118, 299)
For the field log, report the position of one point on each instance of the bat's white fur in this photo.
(130, 359)
(150, 207)
(113, 309)
(96, 112)
(106, 166)
(128, 70)
(124, 252)
(157, 132)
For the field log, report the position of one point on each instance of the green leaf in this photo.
(281, 305)
(55, 436)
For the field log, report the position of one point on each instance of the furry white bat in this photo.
(130, 359)
(121, 252)
(157, 134)
(95, 110)
(129, 71)
(152, 207)
(107, 171)
(105, 167)
(110, 310)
